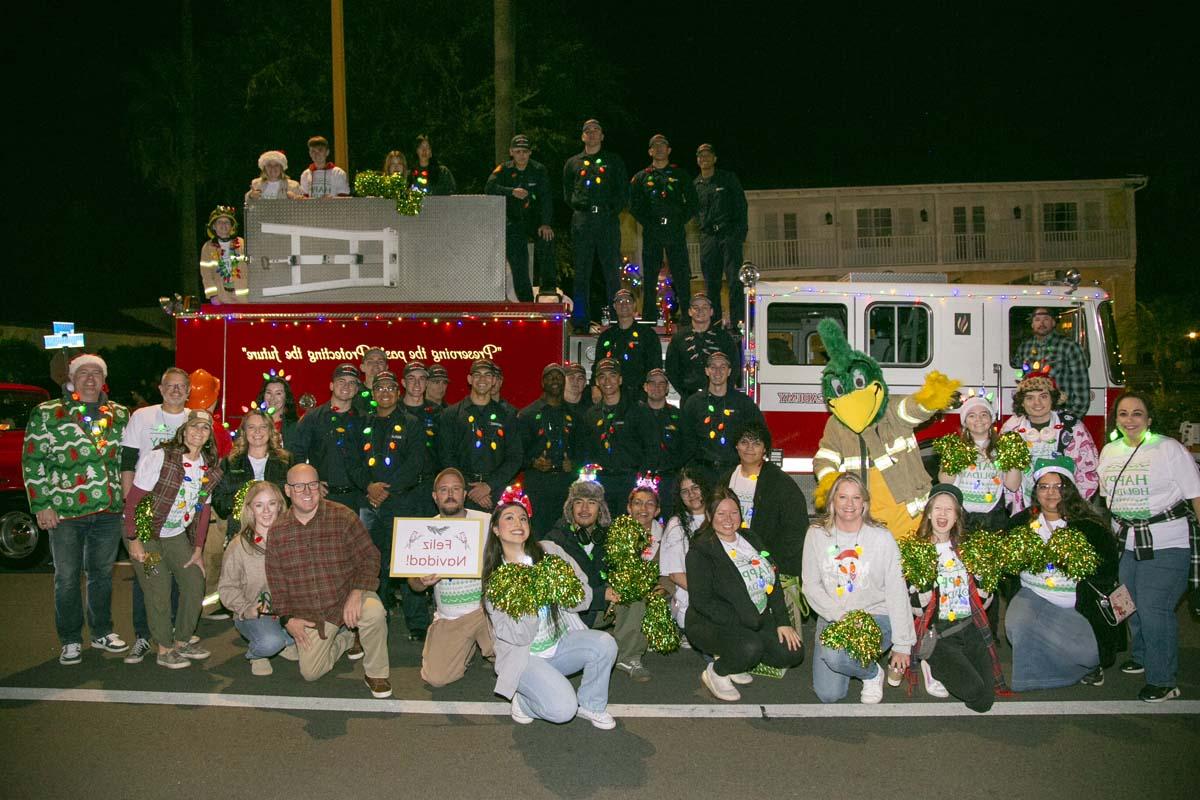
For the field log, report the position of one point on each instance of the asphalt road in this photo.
(106, 729)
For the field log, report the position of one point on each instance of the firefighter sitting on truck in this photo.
(872, 434)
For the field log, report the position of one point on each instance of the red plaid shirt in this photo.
(312, 567)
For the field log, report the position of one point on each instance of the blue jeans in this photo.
(833, 669)
(84, 544)
(544, 691)
(1156, 586)
(1052, 646)
(265, 635)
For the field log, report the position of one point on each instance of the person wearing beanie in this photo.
(1050, 432)
(1068, 367)
(595, 186)
(987, 490)
(323, 178)
(528, 214)
(73, 484)
(1059, 636)
(723, 228)
(663, 200)
(223, 259)
(272, 182)
(963, 661)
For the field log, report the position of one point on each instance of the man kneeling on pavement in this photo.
(460, 625)
(323, 570)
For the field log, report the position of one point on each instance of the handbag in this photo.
(1116, 606)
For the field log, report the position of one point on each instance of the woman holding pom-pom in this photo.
(736, 609)
(851, 563)
(1153, 490)
(539, 641)
(963, 662)
(1058, 635)
(988, 489)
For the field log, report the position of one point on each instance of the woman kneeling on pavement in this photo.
(176, 480)
(535, 652)
(963, 662)
(1058, 635)
(852, 563)
(243, 587)
(736, 610)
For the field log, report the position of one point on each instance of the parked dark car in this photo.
(22, 543)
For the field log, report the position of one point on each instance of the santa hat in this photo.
(272, 155)
(1062, 465)
(84, 359)
(976, 398)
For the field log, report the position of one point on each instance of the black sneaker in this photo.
(1132, 667)
(1157, 694)
(1093, 678)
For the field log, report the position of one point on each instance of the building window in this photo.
(874, 227)
(898, 334)
(1060, 217)
(770, 227)
(790, 227)
(792, 332)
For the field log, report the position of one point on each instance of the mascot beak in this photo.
(859, 409)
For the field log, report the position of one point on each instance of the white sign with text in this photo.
(451, 548)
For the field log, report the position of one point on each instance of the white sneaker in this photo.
(261, 666)
(721, 687)
(518, 714)
(290, 653)
(110, 643)
(71, 654)
(741, 678)
(872, 690)
(933, 687)
(599, 719)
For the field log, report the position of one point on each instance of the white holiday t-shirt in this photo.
(1050, 584)
(1160, 474)
(756, 570)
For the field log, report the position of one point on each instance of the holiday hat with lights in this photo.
(977, 398)
(229, 213)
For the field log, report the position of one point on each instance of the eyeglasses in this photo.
(311, 486)
(1049, 487)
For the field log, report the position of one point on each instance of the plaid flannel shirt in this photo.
(1067, 367)
(312, 567)
(980, 621)
(1143, 536)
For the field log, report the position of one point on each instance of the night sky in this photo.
(827, 94)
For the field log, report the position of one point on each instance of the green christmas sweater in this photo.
(72, 462)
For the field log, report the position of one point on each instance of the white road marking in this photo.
(649, 710)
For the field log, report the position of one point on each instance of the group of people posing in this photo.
(289, 518)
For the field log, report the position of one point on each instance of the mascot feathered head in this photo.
(852, 382)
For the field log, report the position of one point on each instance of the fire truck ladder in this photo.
(354, 259)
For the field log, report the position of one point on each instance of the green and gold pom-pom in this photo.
(239, 499)
(658, 626)
(633, 579)
(143, 519)
(510, 589)
(956, 455)
(626, 540)
(984, 555)
(918, 561)
(1024, 551)
(370, 183)
(858, 634)
(1012, 452)
(556, 583)
(1072, 554)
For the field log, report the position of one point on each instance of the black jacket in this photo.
(710, 424)
(658, 194)
(481, 440)
(687, 354)
(780, 516)
(581, 189)
(536, 209)
(236, 473)
(594, 566)
(636, 349)
(722, 205)
(1110, 640)
(620, 438)
(716, 592)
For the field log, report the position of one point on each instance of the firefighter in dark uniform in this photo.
(619, 436)
(480, 438)
(723, 229)
(549, 431)
(416, 376)
(633, 345)
(528, 212)
(388, 468)
(710, 418)
(668, 421)
(663, 199)
(374, 362)
(498, 388)
(436, 384)
(690, 347)
(596, 187)
(578, 392)
(325, 438)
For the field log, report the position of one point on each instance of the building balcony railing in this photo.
(968, 248)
